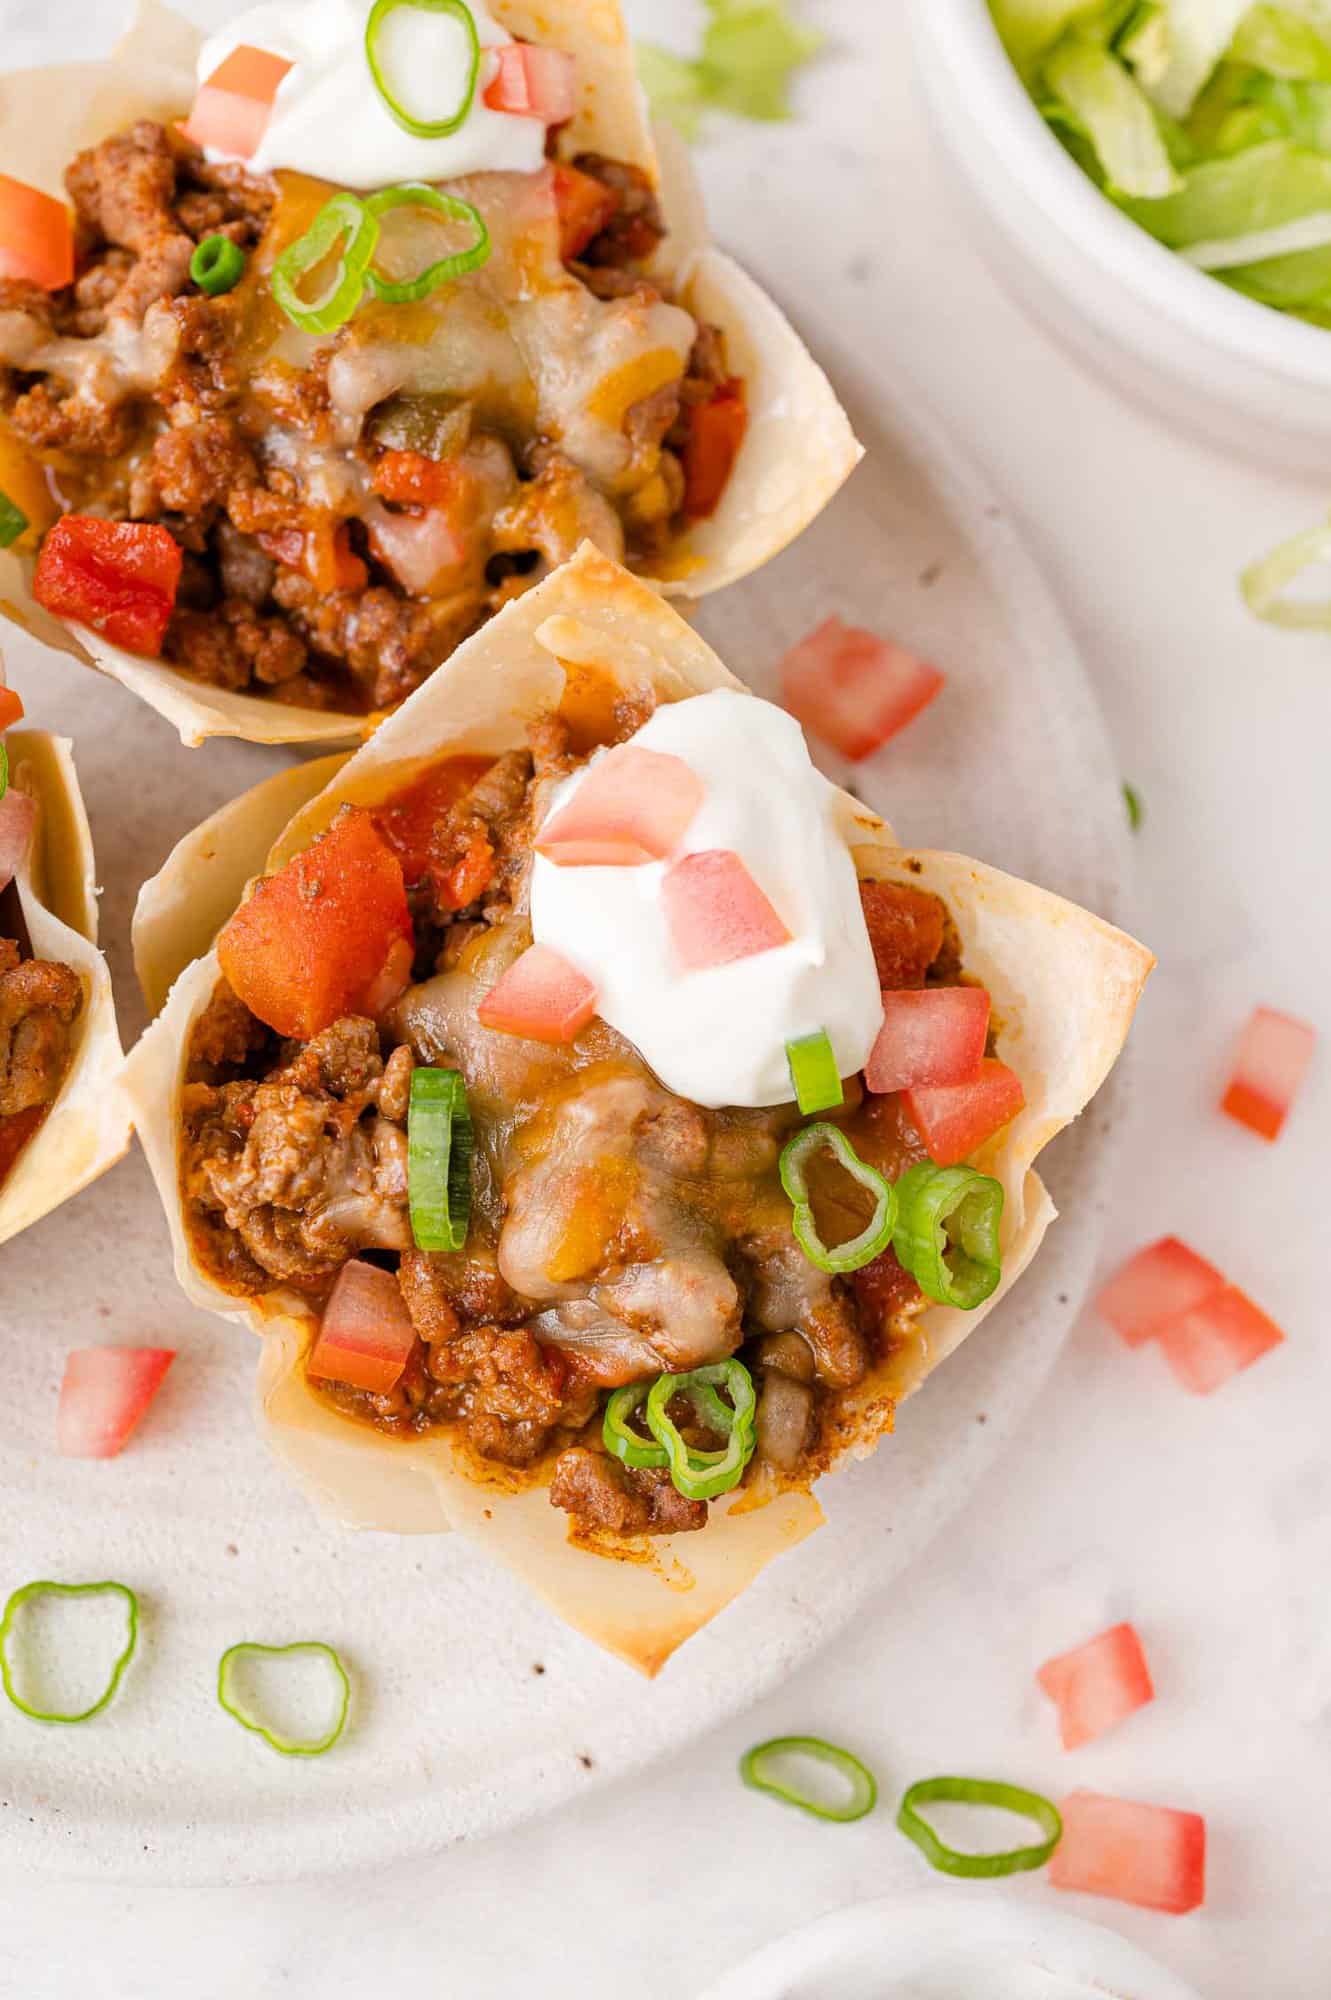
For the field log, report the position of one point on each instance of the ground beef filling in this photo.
(39, 1004)
(617, 1231)
(310, 574)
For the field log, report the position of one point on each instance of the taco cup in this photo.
(630, 1211)
(63, 1117)
(273, 519)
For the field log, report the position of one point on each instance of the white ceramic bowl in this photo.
(1241, 374)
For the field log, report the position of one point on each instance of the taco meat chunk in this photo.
(39, 1004)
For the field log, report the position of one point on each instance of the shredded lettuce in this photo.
(750, 51)
(1116, 115)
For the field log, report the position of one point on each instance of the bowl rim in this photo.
(967, 41)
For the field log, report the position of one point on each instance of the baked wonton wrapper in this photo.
(87, 1128)
(799, 447)
(1064, 987)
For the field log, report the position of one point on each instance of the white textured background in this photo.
(1208, 1523)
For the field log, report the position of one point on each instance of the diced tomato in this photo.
(906, 929)
(716, 432)
(854, 690)
(119, 577)
(36, 236)
(313, 941)
(1273, 1059)
(716, 913)
(542, 997)
(413, 818)
(233, 107)
(633, 806)
(934, 1035)
(103, 1396)
(1147, 1855)
(1098, 1685)
(533, 82)
(323, 553)
(410, 479)
(18, 814)
(1217, 1340)
(366, 1336)
(586, 207)
(955, 1119)
(1159, 1284)
(11, 708)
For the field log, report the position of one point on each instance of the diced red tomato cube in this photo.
(633, 806)
(36, 236)
(934, 1035)
(955, 1119)
(854, 690)
(533, 82)
(366, 1336)
(717, 429)
(1148, 1855)
(11, 708)
(716, 913)
(1273, 1059)
(315, 940)
(586, 206)
(542, 997)
(233, 106)
(409, 478)
(1217, 1340)
(905, 928)
(1158, 1285)
(119, 577)
(1097, 1685)
(103, 1396)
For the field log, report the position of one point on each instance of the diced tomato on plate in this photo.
(1217, 1340)
(1097, 1685)
(366, 1336)
(1159, 1284)
(716, 913)
(36, 236)
(233, 106)
(955, 1119)
(119, 577)
(1151, 1856)
(634, 805)
(932, 1035)
(104, 1395)
(1273, 1059)
(541, 997)
(853, 690)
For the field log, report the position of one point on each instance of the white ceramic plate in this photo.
(963, 1946)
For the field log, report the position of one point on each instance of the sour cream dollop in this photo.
(328, 118)
(719, 1036)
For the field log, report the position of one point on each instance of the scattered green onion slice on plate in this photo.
(422, 128)
(761, 1769)
(28, 1594)
(240, 1711)
(13, 522)
(345, 220)
(979, 1792)
(440, 1145)
(874, 1238)
(814, 1073)
(1132, 800)
(417, 194)
(620, 1434)
(705, 1475)
(946, 1234)
(217, 266)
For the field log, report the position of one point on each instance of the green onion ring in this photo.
(705, 1475)
(979, 1792)
(26, 1595)
(947, 1233)
(4, 769)
(13, 522)
(248, 1720)
(418, 194)
(627, 1444)
(814, 1073)
(438, 128)
(440, 1145)
(874, 1238)
(217, 266)
(863, 1785)
(345, 215)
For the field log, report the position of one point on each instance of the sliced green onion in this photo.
(13, 522)
(705, 1475)
(1132, 799)
(759, 1770)
(874, 1238)
(217, 266)
(344, 216)
(947, 1233)
(1265, 583)
(979, 1792)
(619, 1433)
(245, 1715)
(438, 128)
(26, 1595)
(814, 1073)
(440, 1145)
(417, 194)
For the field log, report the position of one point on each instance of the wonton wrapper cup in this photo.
(1064, 987)
(87, 1128)
(799, 448)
